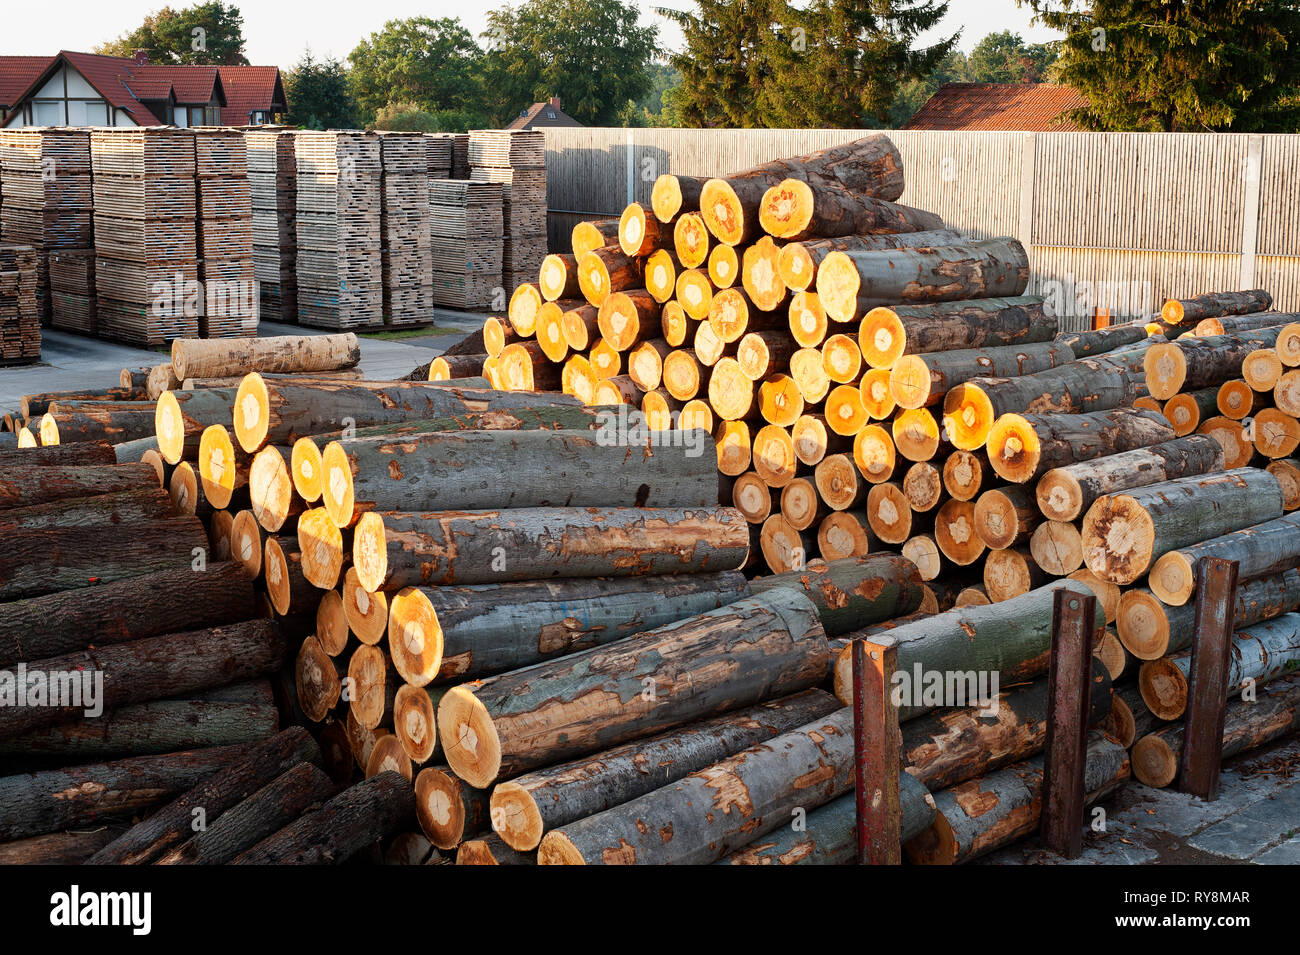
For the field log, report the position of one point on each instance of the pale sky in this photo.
(277, 32)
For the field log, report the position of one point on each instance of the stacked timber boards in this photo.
(466, 223)
(517, 160)
(225, 235)
(405, 228)
(272, 181)
(20, 326)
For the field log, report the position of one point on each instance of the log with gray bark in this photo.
(1099, 341)
(1270, 547)
(918, 381)
(888, 333)
(853, 592)
(758, 648)
(525, 808)
(1124, 534)
(1024, 447)
(27, 485)
(798, 261)
(1189, 310)
(1191, 363)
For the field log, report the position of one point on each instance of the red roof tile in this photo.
(1029, 107)
(249, 88)
(532, 118)
(17, 73)
(193, 84)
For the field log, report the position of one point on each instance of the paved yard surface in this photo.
(1256, 819)
(73, 361)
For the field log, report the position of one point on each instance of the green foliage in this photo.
(653, 108)
(954, 68)
(1006, 58)
(1190, 65)
(318, 95)
(433, 64)
(831, 63)
(593, 54)
(204, 34)
(412, 118)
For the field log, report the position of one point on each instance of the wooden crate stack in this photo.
(47, 202)
(20, 323)
(146, 250)
(339, 265)
(272, 179)
(466, 223)
(405, 224)
(225, 235)
(517, 160)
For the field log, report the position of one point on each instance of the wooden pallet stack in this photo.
(225, 235)
(405, 229)
(517, 160)
(47, 203)
(467, 230)
(146, 250)
(339, 265)
(20, 321)
(272, 180)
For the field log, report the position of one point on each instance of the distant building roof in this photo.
(251, 89)
(1031, 107)
(543, 114)
(16, 73)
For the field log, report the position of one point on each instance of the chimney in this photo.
(555, 101)
(141, 57)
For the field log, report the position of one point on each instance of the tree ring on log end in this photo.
(414, 723)
(558, 849)
(414, 637)
(366, 612)
(169, 426)
(1154, 762)
(469, 738)
(1118, 539)
(882, 337)
(305, 463)
(336, 484)
(321, 543)
(1164, 688)
(252, 412)
(1173, 579)
(515, 816)
(1143, 625)
(439, 808)
(968, 416)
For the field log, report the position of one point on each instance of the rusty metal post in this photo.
(1066, 750)
(877, 760)
(1207, 699)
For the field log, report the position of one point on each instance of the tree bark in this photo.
(849, 283)
(1188, 310)
(491, 850)
(28, 485)
(69, 427)
(887, 334)
(1236, 324)
(260, 815)
(349, 822)
(449, 809)
(116, 507)
(854, 592)
(32, 804)
(1066, 493)
(1024, 447)
(285, 354)
(1087, 344)
(799, 260)
(168, 601)
(56, 848)
(81, 454)
(66, 558)
(1123, 534)
(918, 381)
(757, 648)
(1013, 637)
(1191, 363)
(795, 210)
(150, 669)
(35, 405)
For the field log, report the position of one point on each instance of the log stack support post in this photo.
(876, 754)
(1068, 702)
(1216, 602)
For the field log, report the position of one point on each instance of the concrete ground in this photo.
(70, 362)
(1256, 819)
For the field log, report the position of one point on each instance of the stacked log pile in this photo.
(225, 235)
(339, 264)
(405, 229)
(143, 184)
(272, 180)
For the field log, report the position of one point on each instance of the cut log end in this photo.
(1057, 548)
(1155, 763)
(370, 552)
(955, 533)
(387, 757)
(270, 488)
(414, 637)
(246, 543)
(1164, 688)
(843, 534)
(964, 473)
(306, 467)
(889, 513)
(724, 266)
(439, 808)
(796, 265)
(316, 680)
(184, 489)
(882, 338)
(169, 425)
(761, 276)
(252, 413)
(515, 816)
(1143, 625)
(332, 623)
(874, 453)
(1166, 370)
(691, 240)
(558, 849)
(336, 484)
(1014, 448)
(1173, 579)
(218, 466)
(368, 679)
(786, 209)
(1118, 539)
(838, 283)
(968, 416)
(722, 212)
(321, 544)
(666, 197)
(366, 611)
(279, 585)
(415, 724)
(1060, 497)
(469, 738)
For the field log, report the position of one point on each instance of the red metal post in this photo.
(1066, 750)
(877, 760)
(1207, 701)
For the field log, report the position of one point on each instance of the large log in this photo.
(1260, 652)
(180, 418)
(1066, 493)
(984, 814)
(757, 648)
(462, 470)
(918, 381)
(172, 825)
(35, 405)
(525, 808)
(396, 549)
(262, 814)
(853, 592)
(828, 835)
(448, 809)
(225, 357)
(139, 672)
(595, 234)
(64, 558)
(849, 283)
(348, 823)
(1023, 447)
(67, 427)
(1012, 638)
(1267, 548)
(1099, 341)
(116, 507)
(794, 210)
(1236, 324)
(280, 412)
(163, 726)
(1188, 310)
(887, 334)
(56, 848)
(492, 628)
(35, 803)
(27, 485)
(1247, 725)
(81, 454)
(1191, 363)
(1123, 534)
(673, 195)
(798, 261)
(168, 601)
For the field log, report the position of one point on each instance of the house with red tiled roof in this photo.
(540, 115)
(88, 89)
(1021, 107)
